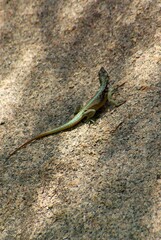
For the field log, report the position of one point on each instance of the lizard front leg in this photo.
(111, 101)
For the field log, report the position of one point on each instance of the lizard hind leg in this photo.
(89, 114)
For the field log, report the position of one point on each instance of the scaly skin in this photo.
(87, 111)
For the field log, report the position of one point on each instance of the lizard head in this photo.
(103, 76)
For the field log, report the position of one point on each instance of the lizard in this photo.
(103, 95)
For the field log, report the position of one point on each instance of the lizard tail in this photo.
(45, 134)
(22, 145)
(67, 125)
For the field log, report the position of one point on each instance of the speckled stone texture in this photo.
(99, 181)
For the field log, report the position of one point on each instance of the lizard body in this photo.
(88, 111)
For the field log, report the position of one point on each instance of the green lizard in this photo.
(88, 111)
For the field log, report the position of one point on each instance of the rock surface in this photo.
(98, 181)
